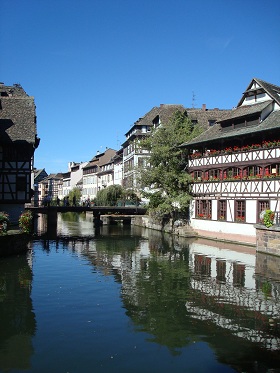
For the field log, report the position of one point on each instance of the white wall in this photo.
(224, 227)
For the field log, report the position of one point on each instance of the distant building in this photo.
(50, 188)
(18, 141)
(118, 167)
(73, 178)
(76, 173)
(37, 176)
(98, 173)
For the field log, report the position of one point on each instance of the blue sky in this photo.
(95, 66)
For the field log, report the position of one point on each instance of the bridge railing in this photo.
(119, 203)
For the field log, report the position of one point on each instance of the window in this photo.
(240, 211)
(233, 173)
(221, 270)
(21, 183)
(203, 209)
(142, 162)
(197, 175)
(202, 265)
(254, 171)
(214, 174)
(128, 165)
(156, 121)
(238, 274)
(262, 206)
(222, 209)
(272, 170)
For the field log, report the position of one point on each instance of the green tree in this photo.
(165, 173)
(77, 193)
(109, 195)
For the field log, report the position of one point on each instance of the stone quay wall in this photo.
(268, 239)
(14, 243)
(177, 228)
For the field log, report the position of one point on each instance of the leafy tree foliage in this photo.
(109, 195)
(77, 193)
(165, 173)
(114, 194)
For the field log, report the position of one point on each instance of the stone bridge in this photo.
(117, 211)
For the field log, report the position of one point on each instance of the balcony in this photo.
(245, 154)
(248, 187)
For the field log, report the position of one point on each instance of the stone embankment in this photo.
(178, 228)
(268, 239)
(13, 243)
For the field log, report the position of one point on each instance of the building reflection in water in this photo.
(235, 293)
(221, 270)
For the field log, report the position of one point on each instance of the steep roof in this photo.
(39, 174)
(58, 176)
(164, 111)
(107, 157)
(17, 116)
(271, 122)
(244, 111)
(101, 158)
(271, 89)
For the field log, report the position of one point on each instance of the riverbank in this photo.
(180, 228)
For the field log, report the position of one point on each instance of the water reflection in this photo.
(68, 224)
(180, 293)
(218, 281)
(16, 316)
(236, 304)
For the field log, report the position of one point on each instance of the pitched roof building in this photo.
(235, 166)
(134, 157)
(98, 173)
(18, 141)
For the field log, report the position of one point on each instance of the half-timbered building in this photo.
(235, 166)
(18, 141)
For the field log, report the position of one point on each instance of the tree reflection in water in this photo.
(17, 318)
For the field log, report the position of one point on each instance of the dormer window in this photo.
(156, 121)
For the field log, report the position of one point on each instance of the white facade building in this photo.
(235, 166)
(98, 173)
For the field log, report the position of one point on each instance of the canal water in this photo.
(126, 299)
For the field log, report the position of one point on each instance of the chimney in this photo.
(204, 107)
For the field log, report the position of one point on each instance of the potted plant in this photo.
(25, 222)
(268, 218)
(4, 222)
